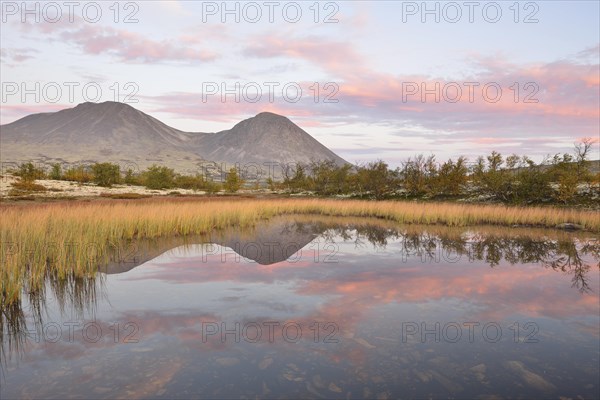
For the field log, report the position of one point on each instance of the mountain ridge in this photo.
(118, 132)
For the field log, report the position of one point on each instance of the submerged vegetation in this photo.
(67, 238)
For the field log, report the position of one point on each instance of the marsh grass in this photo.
(73, 239)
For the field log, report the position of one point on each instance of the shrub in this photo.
(326, 177)
(377, 179)
(131, 178)
(158, 177)
(29, 172)
(196, 182)
(233, 181)
(27, 186)
(78, 173)
(106, 174)
(212, 187)
(55, 172)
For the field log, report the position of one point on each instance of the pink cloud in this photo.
(492, 140)
(331, 55)
(12, 112)
(566, 90)
(16, 55)
(192, 105)
(127, 46)
(566, 94)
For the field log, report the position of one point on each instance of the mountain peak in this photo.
(269, 117)
(267, 114)
(104, 104)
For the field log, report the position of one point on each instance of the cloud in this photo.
(565, 90)
(12, 56)
(132, 47)
(363, 150)
(331, 55)
(547, 100)
(214, 107)
(592, 52)
(124, 45)
(12, 112)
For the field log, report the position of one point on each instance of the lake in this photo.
(318, 308)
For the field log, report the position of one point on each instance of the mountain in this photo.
(264, 138)
(119, 133)
(91, 132)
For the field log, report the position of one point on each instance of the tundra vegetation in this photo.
(565, 179)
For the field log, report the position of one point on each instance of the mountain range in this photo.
(117, 132)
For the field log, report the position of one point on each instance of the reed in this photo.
(67, 238)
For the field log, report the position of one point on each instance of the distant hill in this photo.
(264, 138)
(119, 133)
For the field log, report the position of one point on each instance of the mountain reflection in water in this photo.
(372, 286)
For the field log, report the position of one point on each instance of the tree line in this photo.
(513, 179)
(106, 174)
(563, 178)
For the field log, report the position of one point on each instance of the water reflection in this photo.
(72, 294)
(372, 280)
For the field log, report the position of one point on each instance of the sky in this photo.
(370, 80)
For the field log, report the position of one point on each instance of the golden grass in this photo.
(77, 237)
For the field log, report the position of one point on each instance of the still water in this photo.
(319, 308)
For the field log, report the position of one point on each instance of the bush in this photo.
(212, 187)
(131, 178)
(565, 173)
(77, 174)
(56, 172)
(532, 183)
(196, 182)
(233, 181)
(29, 172)
(27, 186)
(414, 174)
(326, 177)
(158, 177)
(377, 179)
(299, 181)
(106, 174)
